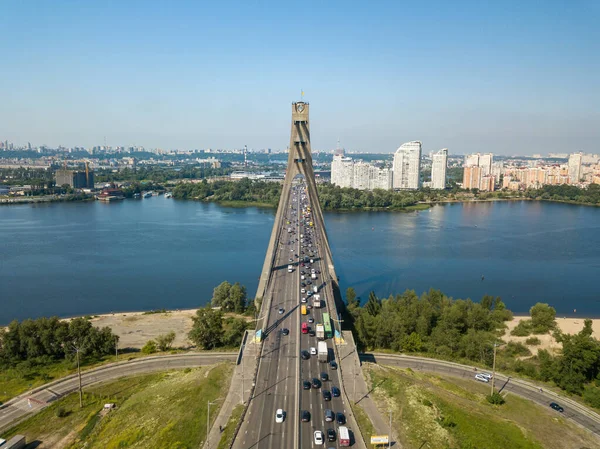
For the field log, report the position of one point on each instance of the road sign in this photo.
(379, 439)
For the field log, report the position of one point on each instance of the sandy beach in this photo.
(566, 325)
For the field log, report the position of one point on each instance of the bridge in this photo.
(298, 245)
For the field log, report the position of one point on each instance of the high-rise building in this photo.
(575, 167)
(407, 166)
(380, 178)
(361, 175)
(472, 160)
(438, 169)
(342, 171)
(485, 162)
(487, 183)
(472, 177)
(75, 179)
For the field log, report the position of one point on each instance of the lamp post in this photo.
(390, 433)
(494, 367)
(208, 422)
(79, 375)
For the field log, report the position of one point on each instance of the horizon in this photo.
(470, 78)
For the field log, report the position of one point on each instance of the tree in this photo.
(149, 347)
(221, 294)
(373, 305)
(351, 299)
(233, 335)
(165, 341)
(542, 318)
(207, 330)
(236, 301)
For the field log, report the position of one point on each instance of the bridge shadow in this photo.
(257, 443)
(270, 387)
(371, 390)
(295, 264)
(280, 320)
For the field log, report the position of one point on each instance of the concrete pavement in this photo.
(35, 400)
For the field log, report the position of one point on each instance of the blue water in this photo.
(74, 259)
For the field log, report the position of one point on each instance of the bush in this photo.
(149, 347)
(523, 329)
(427, 402)
(513, 349)
(591, 395)
(495, 398)
(61, 412)
(533, 341)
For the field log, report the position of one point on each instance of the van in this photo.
(329, 415)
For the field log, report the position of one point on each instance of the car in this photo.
(311, 320)
(285, 331)
(311, 333)
(305, 416)
(335, 391)
(324, 376)
(333, 365)
(313, 350)
(482, 378)
(306, 385)
(488, 375)
(331, 435)
(318, 437)
(326, 395)
(556, 407)
(302, 290)
(316, 383)
(281, 310)
(340, 418)
(279, 415)
(329, 415)
(305, 355)
(303, 299)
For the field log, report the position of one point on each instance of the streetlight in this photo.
(390, 435)
(79, 375)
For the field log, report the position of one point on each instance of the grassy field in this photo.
(227, 435)
(364, 423)
(14, 381)
(437, 412)
(161, 410)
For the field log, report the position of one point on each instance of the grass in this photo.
(153, 411)
(364, 423)
(227, 435)
(431, 411)
(17, 380)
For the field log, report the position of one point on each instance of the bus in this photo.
(303, 309)
(305, 328)
(327, 326)
(344, 436)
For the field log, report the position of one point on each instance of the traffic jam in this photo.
(324, 414)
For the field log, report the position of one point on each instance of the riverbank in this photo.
(566, 325)
(45, 199)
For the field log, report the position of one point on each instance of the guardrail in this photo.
(471, 369)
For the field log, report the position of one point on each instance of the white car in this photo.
(482, 378)
(313, 351)
(488, 375)
(318, 437)
(279, 416)
(302, 290)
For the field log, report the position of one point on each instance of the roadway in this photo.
(277, 378)
(35, 400)
(572, 410)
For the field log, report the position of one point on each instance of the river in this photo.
(70, 259)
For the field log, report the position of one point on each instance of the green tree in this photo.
(149, 347)
(351, 299)
(221, 294)
(207, 328)
(373, 305)
(235, 331)
(236, 301)
(165, 341)
(542, 318)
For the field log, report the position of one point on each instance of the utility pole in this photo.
(117, 347)
(79, 375)
(208, 424)
(243, 372)
(390, 435)
(354, 381)
(494, 368)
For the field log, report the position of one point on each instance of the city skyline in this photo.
(493, 78)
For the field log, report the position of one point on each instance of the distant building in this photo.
(407, 166)
(342, 171)
(575, 167)
(75, 179)
(472, 177)
(361, 175)
(380, 178)
(487, 183)
(485, 162)
(438, 169)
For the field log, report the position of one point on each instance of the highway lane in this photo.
(31, 402)
(576, 412)
(277, 378)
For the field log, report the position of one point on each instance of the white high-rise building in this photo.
(472, 160)
(407, 166)
(439, 163)
(575, 167)
(342, 171)
(361, 175)
(485, 162)
(380, 178)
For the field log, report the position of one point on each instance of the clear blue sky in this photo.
(510, 77)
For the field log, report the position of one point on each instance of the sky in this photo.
(510, 77)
